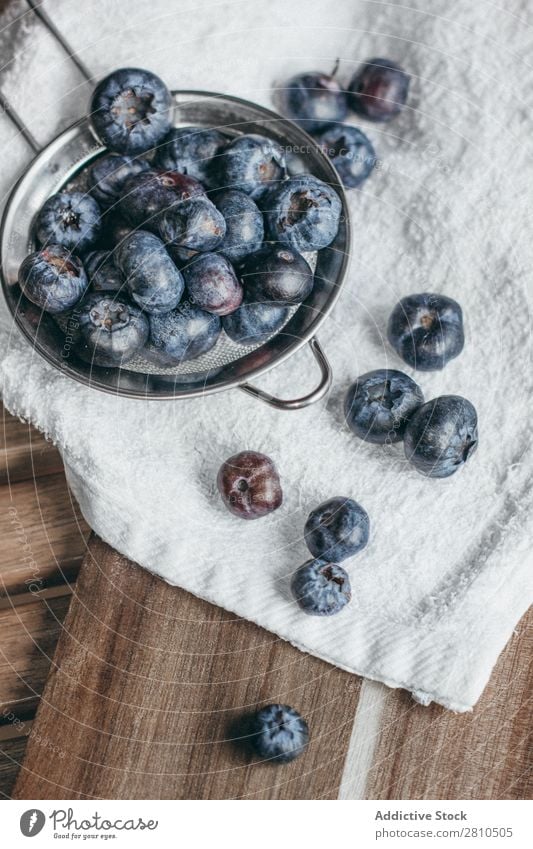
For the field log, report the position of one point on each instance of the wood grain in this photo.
(43, 534)
(431, 753)
(11, 757)
(148, 685)
(25, 453)
(29, 634)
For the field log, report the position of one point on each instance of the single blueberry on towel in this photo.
(279, 733)
(314, 100)
(426, 330)
(378, 90)
(321, 588)
(441, 436)
(378, 405)
(336, 529)
(130, 110)
(249, 485)
(350, 151)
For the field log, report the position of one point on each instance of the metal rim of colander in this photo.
(99, 378)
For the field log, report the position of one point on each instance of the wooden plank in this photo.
(28, 637)
(149, 683)
(25, 453)
(430, 753)
(11, 757)
(43, 534)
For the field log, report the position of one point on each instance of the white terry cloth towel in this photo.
(446, 575)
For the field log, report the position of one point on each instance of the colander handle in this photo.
(298, 403)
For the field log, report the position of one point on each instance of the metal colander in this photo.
(227, 365)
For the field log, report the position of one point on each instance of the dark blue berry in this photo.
(152, 279)
(276, 273)
(426, 330)
(181, 335)
(212, 284)
(194, 224)
(321, 588)
(250, 163)
(379, 404)
(245, 230)
(378, 90)
(350, 151)
(192, 151)
(279, 733)
(102, 273)
(53, 278)
(314, 100)
(337, 529)
(303, 212)
(146, 196)
(130, 110)
(113, 330)
(441, 436)
(71, 219)
(109, 174)
(253, 323)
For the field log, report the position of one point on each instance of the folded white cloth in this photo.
(446, 574)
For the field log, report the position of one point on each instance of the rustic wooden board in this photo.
(28, 637)
(147, 684)
(25, 454)
(43, 536)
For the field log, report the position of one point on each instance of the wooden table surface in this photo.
(139, 685)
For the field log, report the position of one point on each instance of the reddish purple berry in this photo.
(249, 485)
(379, 90)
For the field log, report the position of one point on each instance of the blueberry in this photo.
(321, 588)
(71, 219)
(276, 273)
(53, 278)
(314, 100)
(279, 733)
(102, 273)
(212, 284)
(426, 330)
(130, 110)
(378, 90)
(250, 163)
(379, 404)
(303, 212)
(337, 529)
(244, 224)
(151, 193)
(109, 174)
(441, 436)
(181, 335)
(191, 150)
(195, 224)
(113, 330)
(253, 323)
(249, 485)
(350, 151)
(152, 279)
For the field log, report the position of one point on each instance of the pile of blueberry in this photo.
(183, 234)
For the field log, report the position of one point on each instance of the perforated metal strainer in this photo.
(227, 365)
